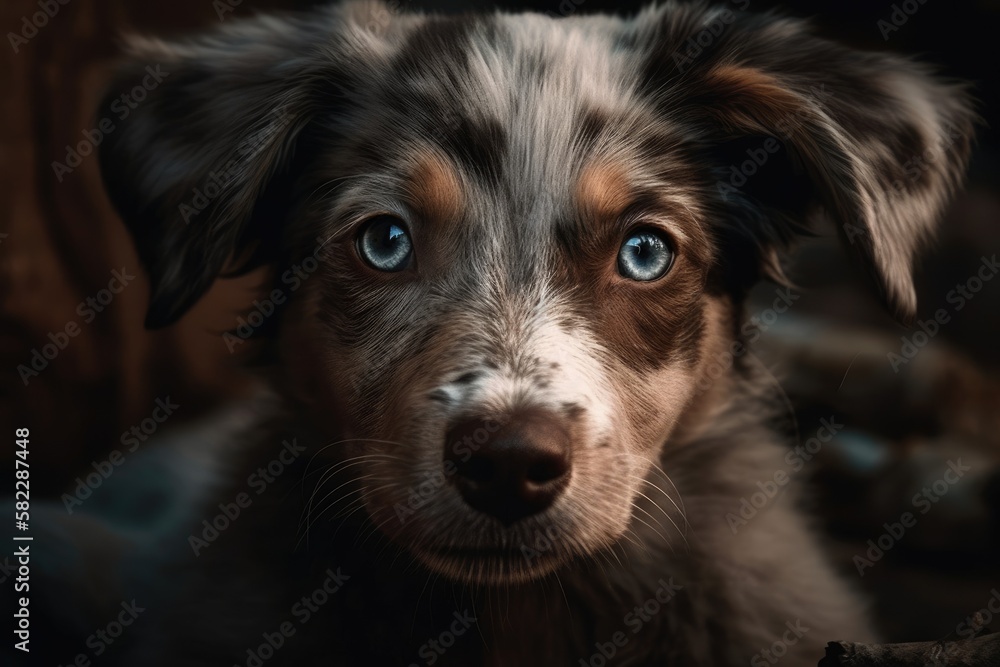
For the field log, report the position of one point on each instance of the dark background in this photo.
(829, 356)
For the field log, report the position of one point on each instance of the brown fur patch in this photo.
(753, 96)
(435, 189)
(603, 190)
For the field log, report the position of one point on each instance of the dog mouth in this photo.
(471, 548)
(519, 559)
(512, 498)
(518, 562)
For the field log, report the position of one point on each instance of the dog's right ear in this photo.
(204, 129)
(873, 142)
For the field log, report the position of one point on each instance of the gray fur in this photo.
(513, 303)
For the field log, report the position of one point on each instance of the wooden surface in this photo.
(63, 240)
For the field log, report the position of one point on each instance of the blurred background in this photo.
(79, 370)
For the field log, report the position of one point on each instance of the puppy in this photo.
(509, 255)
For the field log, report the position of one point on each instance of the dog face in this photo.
(523, 345)
(529, 233)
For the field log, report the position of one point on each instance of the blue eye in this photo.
(385, 244)
(645, 255)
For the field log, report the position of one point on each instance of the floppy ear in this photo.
(208, 140)
(795, 123)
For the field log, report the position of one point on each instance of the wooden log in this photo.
(981, 651)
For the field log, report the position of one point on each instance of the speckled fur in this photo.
(519, 150)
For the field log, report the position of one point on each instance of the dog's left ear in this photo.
(211, 135)
(204, 128)
(795, 123)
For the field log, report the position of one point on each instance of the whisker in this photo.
(680, 532)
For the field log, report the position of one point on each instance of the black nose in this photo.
(510, 469)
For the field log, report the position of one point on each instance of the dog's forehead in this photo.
(528, 71)
(523, 113)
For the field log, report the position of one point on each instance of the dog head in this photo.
(521, 240)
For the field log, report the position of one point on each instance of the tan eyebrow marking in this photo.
(435, 188)
(603, 190)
